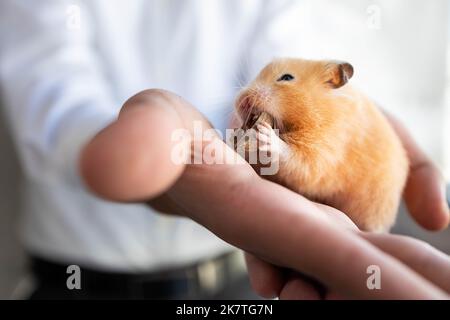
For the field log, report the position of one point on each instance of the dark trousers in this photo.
(51, 284)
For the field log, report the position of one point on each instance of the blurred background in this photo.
(399, 49)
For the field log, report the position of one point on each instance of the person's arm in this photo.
(53, 90)
(253, 214)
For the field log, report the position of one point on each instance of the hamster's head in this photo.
(297, 93)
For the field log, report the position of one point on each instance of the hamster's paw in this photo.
(270, 142)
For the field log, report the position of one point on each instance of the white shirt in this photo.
(66, 68)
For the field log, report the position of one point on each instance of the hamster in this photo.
(334, 145)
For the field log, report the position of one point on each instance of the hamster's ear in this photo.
(338, 73)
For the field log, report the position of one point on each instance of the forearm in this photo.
(290, 233)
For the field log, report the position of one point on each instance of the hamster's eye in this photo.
(286, 77)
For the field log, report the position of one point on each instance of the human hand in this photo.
(271, 281)
(425, 198)
(425, 190)
(256, 215)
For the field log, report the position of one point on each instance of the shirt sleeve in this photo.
(52, 85)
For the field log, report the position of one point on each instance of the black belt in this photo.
(201, 280)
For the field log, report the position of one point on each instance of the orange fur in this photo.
(343, 151)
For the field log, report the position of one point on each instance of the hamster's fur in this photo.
(340, 148)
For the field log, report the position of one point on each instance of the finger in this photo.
(268, 148)
(418, 255)
(270, 281)
(300, 287)
(338, 216)
(297, 288)
(265, 124)
(424, 192)
(264, 129)
(425, 197)
(266, 279)
(263, 137)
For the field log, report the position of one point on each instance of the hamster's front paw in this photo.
(270, 142)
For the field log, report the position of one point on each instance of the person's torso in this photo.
(193, 48)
